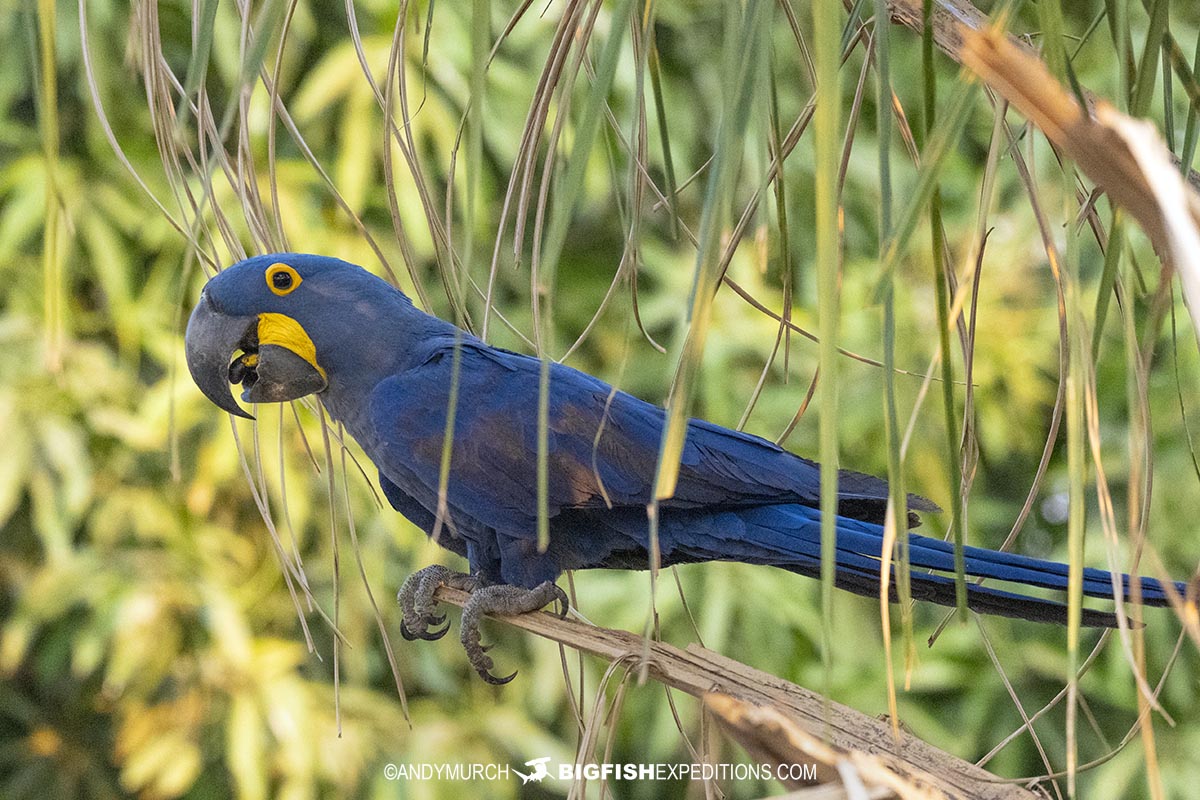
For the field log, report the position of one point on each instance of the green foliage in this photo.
(150, 644)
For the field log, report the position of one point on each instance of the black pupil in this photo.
(281, 280)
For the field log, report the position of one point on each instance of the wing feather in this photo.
(602, 450)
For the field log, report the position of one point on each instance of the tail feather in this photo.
(789, 536)
(940, 589)
(927, 553)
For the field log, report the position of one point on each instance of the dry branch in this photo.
(1093, 142)
(773, 738)
(954, 20)
(1126, 158)
(907, 761)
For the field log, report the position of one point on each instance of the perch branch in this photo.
(778, 720)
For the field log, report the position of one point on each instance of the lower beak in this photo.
(277, 376)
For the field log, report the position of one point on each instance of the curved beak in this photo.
(277, 360)
(211, 341)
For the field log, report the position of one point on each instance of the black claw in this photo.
(434, 635)
(493, 680)
(426, 634)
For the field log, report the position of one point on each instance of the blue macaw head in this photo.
(281, 325)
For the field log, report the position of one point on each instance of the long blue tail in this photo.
(789, 536)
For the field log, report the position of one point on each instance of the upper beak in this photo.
(211, 340)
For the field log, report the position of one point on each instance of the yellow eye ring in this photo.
(282, 279)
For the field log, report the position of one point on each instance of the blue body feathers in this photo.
(390, 369)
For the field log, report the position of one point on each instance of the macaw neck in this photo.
(384, 339)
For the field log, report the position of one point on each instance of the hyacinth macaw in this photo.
(287, 325)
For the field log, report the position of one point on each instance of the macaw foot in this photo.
(506, 601)
(421, 620)
(418, 606)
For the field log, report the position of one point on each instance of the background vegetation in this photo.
(149, 644)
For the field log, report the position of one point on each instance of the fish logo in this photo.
(539, 770)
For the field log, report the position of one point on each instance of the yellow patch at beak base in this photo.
(285, 332)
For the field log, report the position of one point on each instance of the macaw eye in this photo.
(282, 279)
